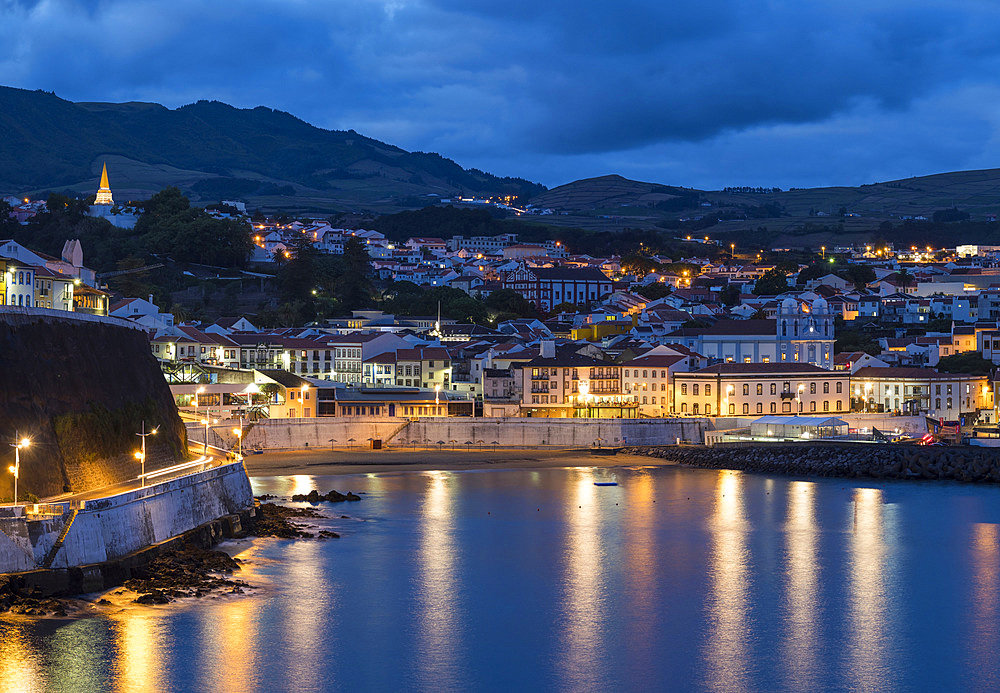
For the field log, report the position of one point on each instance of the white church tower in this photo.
(805, 334)
(104, 192)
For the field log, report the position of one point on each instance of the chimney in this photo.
(151, 299)
(547, 349)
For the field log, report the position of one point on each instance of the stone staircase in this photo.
(51, 555)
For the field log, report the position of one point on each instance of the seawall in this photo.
(277, 434)
(112, 528)
(80, 387)
(851, 460)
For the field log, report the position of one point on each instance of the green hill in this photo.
(212, 150)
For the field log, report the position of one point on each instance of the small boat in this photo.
(605, 483)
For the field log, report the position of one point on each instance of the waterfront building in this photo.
(571, 385)
(747, 389)
(648, 378)
(947, 396)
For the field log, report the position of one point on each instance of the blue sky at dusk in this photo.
(706, 93)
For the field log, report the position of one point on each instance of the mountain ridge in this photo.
(53, 143)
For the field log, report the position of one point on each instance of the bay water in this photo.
(537, 579)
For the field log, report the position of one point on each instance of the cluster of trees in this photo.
(168, 227)
(406, 298)
(313, 285)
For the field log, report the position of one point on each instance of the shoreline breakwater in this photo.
(874, 461)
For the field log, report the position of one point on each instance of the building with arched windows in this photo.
(805, 333)
(800, 333)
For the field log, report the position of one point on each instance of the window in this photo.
(838, 405)
(812, 388)
(746, 389)
(684, 388)
(826, 405)
(694, 389)
(937, 403)
(760, 389)
(694, 408)
(760, 407)
(708, 410)
(732, 408)
(774, 388)
(773, 408)
(840, 387)
(708, 390)
(746, 408)
(826, 388)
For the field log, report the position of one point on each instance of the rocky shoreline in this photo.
(187, 568)
(881, 461)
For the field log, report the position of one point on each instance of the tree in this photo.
(654, 291)
(639, 265)
(970, 362)
(509, 301)
(354, 286)
(730, 295)
(905, 278)
(774, 281)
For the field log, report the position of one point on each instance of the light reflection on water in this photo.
(728, 608)
(867, 602)
(439, 632)
(677, 579)
(582, 601)
(800, 646)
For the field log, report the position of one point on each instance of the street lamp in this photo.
(437, 396)
(206, 421)
(15, 469)
(141, 454)
(238, 432)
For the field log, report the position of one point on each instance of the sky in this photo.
(699, 93)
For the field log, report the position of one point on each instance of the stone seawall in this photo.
(875, 461)
(111, 528)
(276, 434)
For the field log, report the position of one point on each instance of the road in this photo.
(154, 477)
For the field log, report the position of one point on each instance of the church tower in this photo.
(104, 192)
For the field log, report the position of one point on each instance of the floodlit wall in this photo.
(276, 434)
(111, 528)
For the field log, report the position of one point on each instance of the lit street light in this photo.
(207, 421)
(15, 469)
(238, 432)
(141, 454)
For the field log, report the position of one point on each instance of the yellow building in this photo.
(753, 389)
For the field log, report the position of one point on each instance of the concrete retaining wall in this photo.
(111, 528)
(279, 434)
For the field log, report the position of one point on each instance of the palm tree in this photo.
(905, 278)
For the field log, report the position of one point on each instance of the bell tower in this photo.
(104, 192)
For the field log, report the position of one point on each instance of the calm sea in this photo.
(511, 580)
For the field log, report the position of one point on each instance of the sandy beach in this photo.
(346, 461)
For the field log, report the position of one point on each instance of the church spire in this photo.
(104, 192)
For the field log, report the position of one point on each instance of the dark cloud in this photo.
(642, 87)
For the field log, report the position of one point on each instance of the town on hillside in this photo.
(859, 341)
